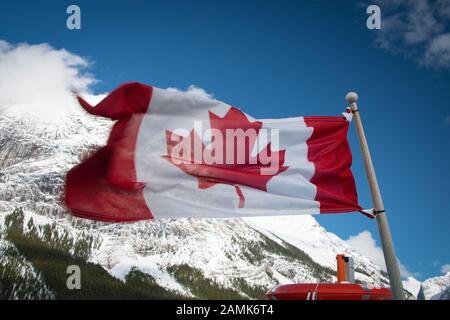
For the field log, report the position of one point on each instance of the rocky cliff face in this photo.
(242, 256)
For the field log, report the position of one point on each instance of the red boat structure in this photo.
(343, 289)
(328, 291)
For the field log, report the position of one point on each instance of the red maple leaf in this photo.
(246, 173)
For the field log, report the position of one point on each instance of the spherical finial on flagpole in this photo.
(351, 97)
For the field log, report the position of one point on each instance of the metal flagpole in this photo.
(383, 226)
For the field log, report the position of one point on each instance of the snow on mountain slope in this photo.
(412, 285)
(14, 267)
(435, 288)
(443, 295)
(262, 252)
(305, 233)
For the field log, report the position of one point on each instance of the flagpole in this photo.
(383, 226)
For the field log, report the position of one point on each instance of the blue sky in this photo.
(287, 58)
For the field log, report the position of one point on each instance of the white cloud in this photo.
(437, 52)
(40, 80)
(194, 90)
(443, 8)
(445, 268)
(418, 29)
(404, 272)
(366, 245)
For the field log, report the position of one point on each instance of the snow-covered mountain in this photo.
(241, 255)
(412, 285)
(437, 288)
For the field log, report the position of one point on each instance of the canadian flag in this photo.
(172, 154)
